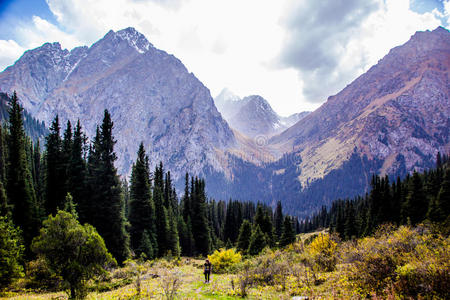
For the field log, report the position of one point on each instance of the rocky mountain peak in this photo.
(134, 39)
(151, 96)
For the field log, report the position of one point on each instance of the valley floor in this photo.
(396, 263)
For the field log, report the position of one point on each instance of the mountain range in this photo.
(391, 120)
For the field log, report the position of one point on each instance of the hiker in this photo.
(207, 270)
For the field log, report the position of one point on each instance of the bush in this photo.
(76, 253)
(40, 276)
(405, 262)
(323, 250)
(11, 251)
(223, 259)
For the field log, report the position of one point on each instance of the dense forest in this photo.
(142, 218)
(416, 198)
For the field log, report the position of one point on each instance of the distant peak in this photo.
(134, 38)
(227, 95)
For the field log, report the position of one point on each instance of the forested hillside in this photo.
(418, 197)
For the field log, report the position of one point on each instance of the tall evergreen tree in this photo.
(20, 191)
(263, 220)
(288, 235)
(55, 190)
(200, 228)
(416, 205)
(258, 241)
(278, 218)
(161, 214)
(77, 172)
(141, 208)
(109, 218)
(173, 240)
(245, 233)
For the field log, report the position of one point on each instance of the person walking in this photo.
(207, 270)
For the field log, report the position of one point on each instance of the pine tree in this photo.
(173, 240)
(200, 228)
(55, 169)
(91, 203)
(185, 203)
(141, 208)
(245, 233)
(145, 246)
(350, 229)
(278, 221)
(288, 235)
(416, 205)
(263, 220)
(257, 241)
(20, 191)
(107, 214)
(77, 172)
(66, 156)
(161, 216)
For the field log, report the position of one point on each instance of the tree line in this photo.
(144, 217)
(416, 198)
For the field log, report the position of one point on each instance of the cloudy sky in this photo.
(295, 53)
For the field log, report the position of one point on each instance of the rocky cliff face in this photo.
(397, 113)
(253, 115)
(151, 95)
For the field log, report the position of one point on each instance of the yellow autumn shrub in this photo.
(322, 250)
(224, 259)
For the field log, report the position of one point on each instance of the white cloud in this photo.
(332, 42)
(9, 52)
(234, 43)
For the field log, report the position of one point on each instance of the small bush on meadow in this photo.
(224, 259)
(40, 276)
(323, 252)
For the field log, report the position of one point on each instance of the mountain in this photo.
(391, 120)
(151, 95)
(253, 115)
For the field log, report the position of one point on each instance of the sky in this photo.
(294, 53)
